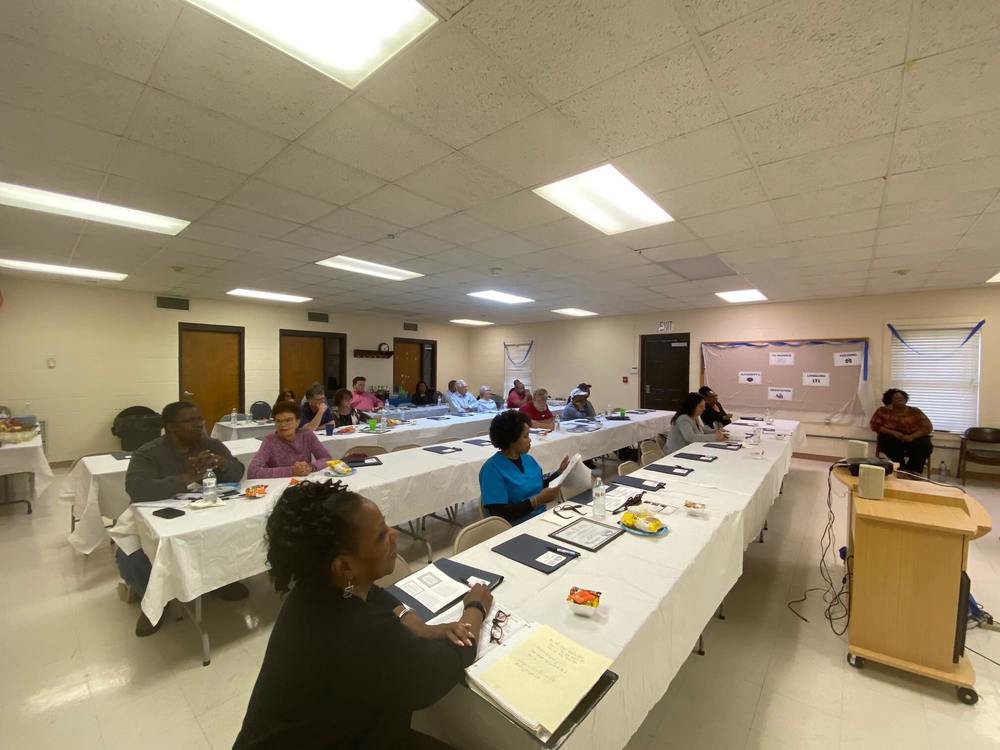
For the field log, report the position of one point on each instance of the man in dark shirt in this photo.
(164, 467)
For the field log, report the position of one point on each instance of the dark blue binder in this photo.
(724, 446)
(677, 471)
(526, 549)
(697, 457)
(442, 449)
(641, 484)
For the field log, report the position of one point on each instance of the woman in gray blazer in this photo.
(687, 426)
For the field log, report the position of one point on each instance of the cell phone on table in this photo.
(168, 512)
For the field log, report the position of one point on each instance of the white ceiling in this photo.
(818, 149)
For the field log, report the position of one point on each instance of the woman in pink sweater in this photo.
(289, 451)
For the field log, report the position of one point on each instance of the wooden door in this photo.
(664, 370)
(211, 369)
(302, 361)
(406, 360)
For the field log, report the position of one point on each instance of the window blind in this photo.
(940, 373)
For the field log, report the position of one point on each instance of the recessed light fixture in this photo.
(468, 322)
(604, 198)
(575, 312)
(495, 296)
(743, 295)
(272, 296)
(19, 196)
(85, 273)
(346, 263)
(995, 279)
(344, 40)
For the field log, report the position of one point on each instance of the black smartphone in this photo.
(168, 512)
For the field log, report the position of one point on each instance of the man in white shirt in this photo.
(486, 402)
(461, 401)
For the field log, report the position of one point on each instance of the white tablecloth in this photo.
(27, 458)
(657, 596)
(203, 550)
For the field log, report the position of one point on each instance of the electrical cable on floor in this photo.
(967, 648)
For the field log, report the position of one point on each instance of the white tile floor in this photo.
(72, 674)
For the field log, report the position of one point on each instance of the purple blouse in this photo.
(277, 456)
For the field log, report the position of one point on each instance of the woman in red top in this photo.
(518, 396)
(537, 410)
(904, 432)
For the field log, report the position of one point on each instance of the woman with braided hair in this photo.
(346, 664)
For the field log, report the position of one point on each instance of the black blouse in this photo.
(710, 416)
(428, 399)
(345, 674)
(346, 420)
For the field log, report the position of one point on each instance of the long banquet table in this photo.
(657, 594)
(27, 457)
(224, 430)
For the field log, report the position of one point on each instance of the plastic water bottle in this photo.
(555, 424)
(382, 422)
(232, 417)
(597, 491)
(942, 471)
(440, 401)
(208, 491)
(768, 419)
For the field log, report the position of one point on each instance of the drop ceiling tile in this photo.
(393, 204)
(791, 47)
(34, 79)
(450, 87)
(836, 243)
(311, 173)
(212, 63)
(55, 139)
(963, 138)
(559, 233)
(940, 25)
(560, 59)
(984, 233)
(941, 182)
(693, 249)
(546, 259)
(457, 181)
(289, 250)
(138, 161)
(712, 196)
(952, 84)
(222, 236)
(827, 226)
(23, 168)
(516, 211)
(841, 165)
(695, 157)
(134, 194)
(537, 150)
(263, 197)
(972, 258)
(733, 220)
(933, 246)
(504, 246)
(746, 260)
(416, 243)
(243, 221)
(836, 115)
(269, 263)
(762, 236)
(661, 234)
(838, 200)
(333, 244)
(175, 125)
(958, 204)
(711, 14)
(357, 225)
(664, 98)
(186, 246)
(460, 229)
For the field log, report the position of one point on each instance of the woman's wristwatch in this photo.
(476, 605)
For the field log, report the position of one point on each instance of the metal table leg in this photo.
(195, 617)
(5, 500)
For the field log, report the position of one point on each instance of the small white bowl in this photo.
(583, 610)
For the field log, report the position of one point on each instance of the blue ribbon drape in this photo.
(896, 334)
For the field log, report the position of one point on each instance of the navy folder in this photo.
(724, 446)
(355, 463)
(442, 449)
(526, 549)
(696, 457)
(640, 484)
(678, 471)
(478, 441)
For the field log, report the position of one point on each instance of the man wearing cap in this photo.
(461, 401)
(486, 402)
(585, 387)
(579, 407)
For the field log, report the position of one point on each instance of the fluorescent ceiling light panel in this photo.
(495, 296)
(344, 40)
(995, 279)
(33, 199)
(272, 296)
(605, 199)
(85, 273)
(468, 322)
(575, 312)
(743, 295)
(346, 263)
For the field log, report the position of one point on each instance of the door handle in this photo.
(188, 393)
(647, 390)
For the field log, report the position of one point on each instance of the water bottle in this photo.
(440, 401)
(757, 435)
(768, 419)
(598, 490)
(382, 422)
(232, 417)
(942, 471)
(208, 492)
(555, 424)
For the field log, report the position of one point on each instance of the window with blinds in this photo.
(941, 374)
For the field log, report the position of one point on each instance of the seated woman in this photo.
(343, 413)
(422, 395)
(518, 396)
(687, 426)
(288, 451)
(511, 481)
(579, 406)
(346, 664)
(903, 431)
(715, 415)
(538, 410)
(285, 394)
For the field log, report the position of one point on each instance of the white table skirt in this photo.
(203, 550)
(27, 458)
(657, 596)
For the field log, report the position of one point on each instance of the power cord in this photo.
(922, 478)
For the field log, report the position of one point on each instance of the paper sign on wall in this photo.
(751, 378)
(779, 394)
(847, 359)
(816, 378)
(781, 359)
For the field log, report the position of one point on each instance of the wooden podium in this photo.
(909, 591)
